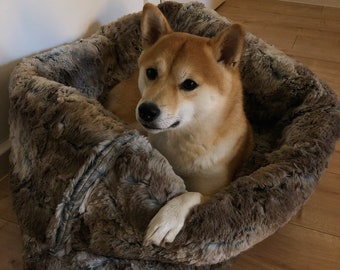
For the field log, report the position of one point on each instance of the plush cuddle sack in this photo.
(85, 187)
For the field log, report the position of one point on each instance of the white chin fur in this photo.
(161, 126)
(154, 131)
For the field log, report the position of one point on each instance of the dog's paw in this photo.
(169, 220)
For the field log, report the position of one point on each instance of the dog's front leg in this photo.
(169, 220)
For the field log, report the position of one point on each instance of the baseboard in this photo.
(326, 3)
(4, 155)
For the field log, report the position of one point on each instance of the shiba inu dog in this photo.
(187, 95)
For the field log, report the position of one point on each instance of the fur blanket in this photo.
(85, 187)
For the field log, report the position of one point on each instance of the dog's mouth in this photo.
(175, 124)
(154, 127)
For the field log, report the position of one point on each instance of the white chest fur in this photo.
(200, 157)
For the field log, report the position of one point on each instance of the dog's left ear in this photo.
(153, 25)
(228, 45)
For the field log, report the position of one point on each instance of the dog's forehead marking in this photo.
(185, 54)
(176, 45)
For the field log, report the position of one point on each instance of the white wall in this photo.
(30, 26)
(33, 25)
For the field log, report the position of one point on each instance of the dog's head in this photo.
(183, 78)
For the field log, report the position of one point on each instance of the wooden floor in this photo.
(310, 34)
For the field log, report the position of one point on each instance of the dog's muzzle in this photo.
(148, 114)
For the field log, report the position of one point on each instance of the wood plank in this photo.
(4, 163)
(322, 212)
(279, 18)
(6, 202)
(334, 163)
(282, 13)
(275, 7)
(295, 248)
(317, 48)
(10, 246)
(320, 34)
(285, 41)
(330, 183)
(6, 210)
(333, 25)
(337, 147)
(4, 187)
(331, 13)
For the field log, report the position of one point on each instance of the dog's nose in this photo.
(148, 111)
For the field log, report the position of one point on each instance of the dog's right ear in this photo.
(153, 25)
(228, 45)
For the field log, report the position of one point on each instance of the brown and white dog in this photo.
(187, 95)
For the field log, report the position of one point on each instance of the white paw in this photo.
(169, 220)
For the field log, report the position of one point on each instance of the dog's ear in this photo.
(228, 45)
(153, 25)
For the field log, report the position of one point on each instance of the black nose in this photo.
(148, 111)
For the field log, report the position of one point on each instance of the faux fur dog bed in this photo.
(85, 187)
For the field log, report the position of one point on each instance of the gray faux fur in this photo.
(85, 187)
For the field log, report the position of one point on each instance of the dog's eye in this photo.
(151, 73)
(188, 85)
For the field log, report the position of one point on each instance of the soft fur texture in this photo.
(85, 187)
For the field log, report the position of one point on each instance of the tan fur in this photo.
(122, 100)
(213, 136)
